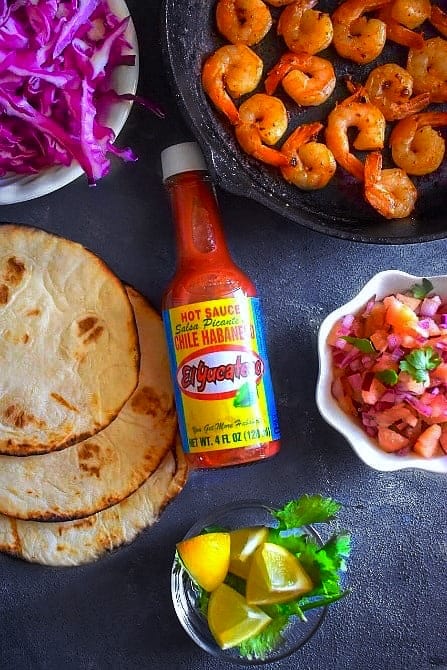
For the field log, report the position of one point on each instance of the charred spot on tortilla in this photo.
(4, 294)
(61, 400)
(14, 271)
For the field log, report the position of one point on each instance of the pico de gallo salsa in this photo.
(390, 370)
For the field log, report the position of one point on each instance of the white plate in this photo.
(382, 284)
(18, 188)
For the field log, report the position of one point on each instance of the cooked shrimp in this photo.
(391, 192)
(428, 67)
(312, 164)
(415, 146)
(262, 121)
(390, 88)
(309, 80)
(410, 13)
(355, 36)
(438, 19)
(243, 21)
(230, 72)
(279, 3)
(355, 112)
(398, 32)
(304, 29)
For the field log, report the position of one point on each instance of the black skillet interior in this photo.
(189, 34)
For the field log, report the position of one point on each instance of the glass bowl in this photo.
(185, 593)
(380, 285)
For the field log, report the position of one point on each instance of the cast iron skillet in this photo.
(189, 34)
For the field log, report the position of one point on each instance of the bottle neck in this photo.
(199, 234)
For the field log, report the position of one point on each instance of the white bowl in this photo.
(382, 284)
(18, 188)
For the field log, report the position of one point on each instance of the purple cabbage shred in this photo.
(56, 63)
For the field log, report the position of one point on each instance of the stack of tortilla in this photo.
(88, 448)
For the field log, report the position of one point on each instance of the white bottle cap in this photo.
(183, 157)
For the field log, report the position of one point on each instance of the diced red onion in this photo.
(421, 407)
(430, 306)
(355, 381)
(346, 324)
(393, 341)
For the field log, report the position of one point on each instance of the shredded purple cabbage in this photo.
(56, 62)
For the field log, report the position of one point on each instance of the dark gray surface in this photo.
(117, 613)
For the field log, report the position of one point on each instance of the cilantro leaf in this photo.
(362, 343)
(260, 645)
(388, 377)
(421, 290)
(305, 510)
(418, 362)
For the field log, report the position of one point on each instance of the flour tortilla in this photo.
(75, 542)
(68, 343)
(106, 468)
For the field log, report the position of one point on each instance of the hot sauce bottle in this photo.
(214, 329)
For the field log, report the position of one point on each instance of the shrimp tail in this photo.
(304, 133)
(398, 33)
(377, 197)
(400, 111)
(438, 19)
(286, 63)
(251, 142)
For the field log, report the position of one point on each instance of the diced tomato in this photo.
(379, 339)
(396, 413)
(412, 303)
(399, 316)
(427, 444)
(390, 440)
(385, 362)
(374, 392)
(440, 373)
(375, 319)
(443, 438)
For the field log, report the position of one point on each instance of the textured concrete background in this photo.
(117, 614)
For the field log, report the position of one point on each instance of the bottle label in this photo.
(222, 381)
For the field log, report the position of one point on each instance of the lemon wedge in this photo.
(231, 619)
(243, 543)
(206, 557)
(275, 576)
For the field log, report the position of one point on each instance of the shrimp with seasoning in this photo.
(230, 72)
(304, 29)
(391, 192)
(410, 13)
(390, 88)
(309, 80)
(357, 37)
(415, 146)
(438, 19)
(279, 3)
(428, 67)
(312, 164)
(398, 32)
(243, 21)
(262, 121)
(355, 112)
